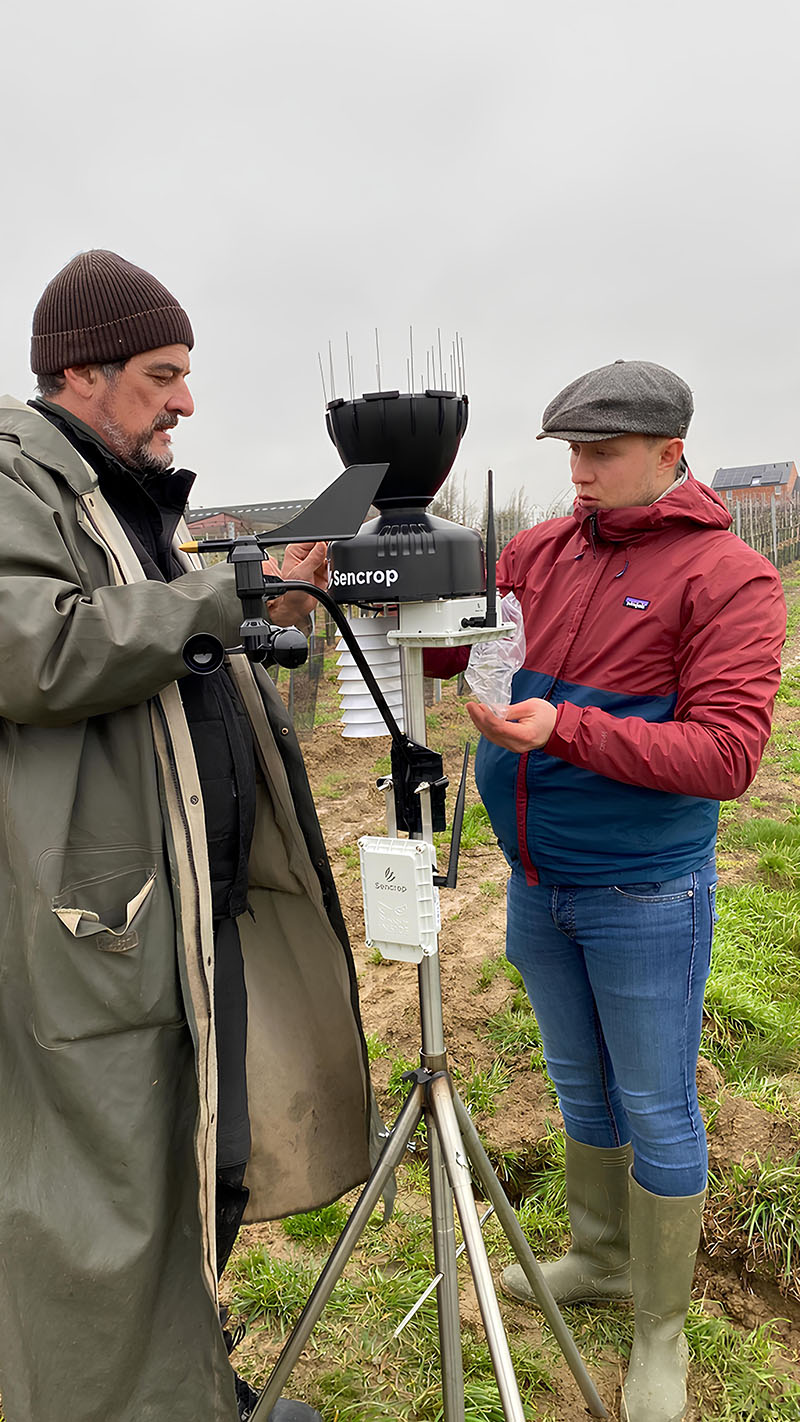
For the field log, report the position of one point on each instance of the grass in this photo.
(779, 868)
(398, 1089)
(396, 1086)
(333, 786)
(735, 1375)
(351, 857)
(491, 967)
(317, 1226)
(763, 833)
(513, 1030)
(480, 1089)
(375, 1047)
(476, 829)
(487, 973)
(753, 1210)
(793, 612)
(789, 689)
(376, 1376)
(753, 993)
(738, 1377)
(783, 749)
(776, 844)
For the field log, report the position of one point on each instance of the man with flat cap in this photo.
(179, 1028)
(652, 661)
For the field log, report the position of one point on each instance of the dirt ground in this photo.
(343, 774)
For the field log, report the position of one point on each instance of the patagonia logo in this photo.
(638, 602)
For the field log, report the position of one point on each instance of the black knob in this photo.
(203, 653)
(289, 647)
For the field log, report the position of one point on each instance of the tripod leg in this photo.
(390, 1157)
(508, 1219)
(444, 1117)
(444, 1249)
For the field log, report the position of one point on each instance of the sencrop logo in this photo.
(388, 885)
(365, 577)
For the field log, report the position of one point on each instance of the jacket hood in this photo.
(40, 441)
(692, 504)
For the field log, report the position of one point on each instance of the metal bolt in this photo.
(194, 799)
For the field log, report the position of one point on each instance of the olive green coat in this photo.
(108, 1308)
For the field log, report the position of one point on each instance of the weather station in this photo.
(418, 581)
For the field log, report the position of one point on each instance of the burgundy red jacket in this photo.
(657, 633)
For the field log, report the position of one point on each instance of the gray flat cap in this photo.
(628, 397)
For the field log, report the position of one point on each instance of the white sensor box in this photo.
(401, 902)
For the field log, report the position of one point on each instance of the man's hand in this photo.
(303, 563)
(527, 725)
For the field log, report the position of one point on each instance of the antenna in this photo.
(491, 555)
(333, 382)
(411, 349)
(349, 365)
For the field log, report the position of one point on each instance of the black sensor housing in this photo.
(405, 554)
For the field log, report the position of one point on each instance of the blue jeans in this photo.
(616, 977)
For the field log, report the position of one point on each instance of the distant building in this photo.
(236, 519)
(223, 524)
(756, 481)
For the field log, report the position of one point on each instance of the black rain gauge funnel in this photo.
(418, 436)
(406, 554)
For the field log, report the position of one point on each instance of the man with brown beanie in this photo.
(179, 1028)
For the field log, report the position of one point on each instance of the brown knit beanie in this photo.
(101, 308)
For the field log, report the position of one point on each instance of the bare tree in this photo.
(518, 512)
(453, 502)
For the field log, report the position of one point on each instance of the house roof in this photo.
(276, 513)
(753, 475)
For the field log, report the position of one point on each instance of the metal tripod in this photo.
(453, 1146)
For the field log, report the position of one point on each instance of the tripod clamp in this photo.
(262, 642)
(413, 765)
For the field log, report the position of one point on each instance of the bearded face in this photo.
(136, 406)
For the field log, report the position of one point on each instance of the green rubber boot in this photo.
(665, 1233)
(597, 1264)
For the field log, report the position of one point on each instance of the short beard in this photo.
(134, 450)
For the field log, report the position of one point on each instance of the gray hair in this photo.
(49, 385)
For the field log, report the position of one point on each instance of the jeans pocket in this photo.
(637, 891)
(669, 891)
(712, 901)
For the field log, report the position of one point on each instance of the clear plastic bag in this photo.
(492, 665)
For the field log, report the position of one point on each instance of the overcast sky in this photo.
(563, 184)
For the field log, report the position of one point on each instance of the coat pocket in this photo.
(101, 950)
(85, 923)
